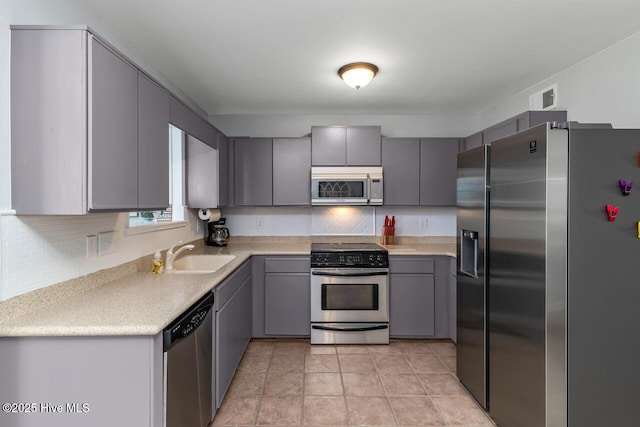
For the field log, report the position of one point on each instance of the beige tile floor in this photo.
(407, 383)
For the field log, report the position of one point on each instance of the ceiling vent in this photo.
(546, 99)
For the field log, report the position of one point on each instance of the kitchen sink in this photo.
(201, 264)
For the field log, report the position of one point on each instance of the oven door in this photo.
(349, 295)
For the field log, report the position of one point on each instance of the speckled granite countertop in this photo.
(129, 300)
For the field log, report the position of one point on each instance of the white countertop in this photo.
(141, 303)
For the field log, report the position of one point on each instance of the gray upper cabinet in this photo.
(202, 174)
(223, 170)
(499, 131)
(345, 146)
(153, 145)
(291, 171)
(401, 166)
(74, 114)
(328, 145)
(113, 131)
(89, 130)
(519, 123)
(253, 171)
(530, 119)
(473, 141)
(185, 119)
(438, 171)
(363, 146)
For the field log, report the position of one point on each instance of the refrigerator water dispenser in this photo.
(469, 253)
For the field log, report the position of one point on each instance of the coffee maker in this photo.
(217, 233)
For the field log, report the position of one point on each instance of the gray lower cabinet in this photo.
(253, 171)
(438, 171)
(401, 166)
(291, 171)
(80, 381)
(411, 296)
(287, 296)
(421, 297)
(233, 325)
(345, 146)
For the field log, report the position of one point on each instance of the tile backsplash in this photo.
(37, 251)
(334, 220)
(343, 221)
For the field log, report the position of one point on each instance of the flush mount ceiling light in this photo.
(358, 74)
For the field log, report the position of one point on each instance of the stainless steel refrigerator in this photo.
(472, 250)
(562, 299)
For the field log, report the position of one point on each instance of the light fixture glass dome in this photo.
(358, 74)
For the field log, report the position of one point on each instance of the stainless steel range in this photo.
(349, 294)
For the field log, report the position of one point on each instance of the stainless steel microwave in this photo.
(346, 185)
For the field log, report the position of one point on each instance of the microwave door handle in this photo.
(368, 195)
(352, 274)
(361, 329)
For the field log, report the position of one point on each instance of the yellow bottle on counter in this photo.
(157, 266)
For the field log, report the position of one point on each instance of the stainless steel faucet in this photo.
(171, 256)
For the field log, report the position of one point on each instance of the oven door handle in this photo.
(333, 328)
(350, 274)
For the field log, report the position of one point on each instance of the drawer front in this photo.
(411, 265)
(231, 284)
(287, 264)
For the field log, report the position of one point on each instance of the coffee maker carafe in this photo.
(218, 233)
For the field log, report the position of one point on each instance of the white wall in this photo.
(604, 88)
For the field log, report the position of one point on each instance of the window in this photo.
(175, 211)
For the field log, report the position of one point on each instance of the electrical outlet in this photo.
(106, 243)
(259, 223)
(423, 223)
(92, 245)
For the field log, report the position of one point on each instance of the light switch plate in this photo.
(106, 243)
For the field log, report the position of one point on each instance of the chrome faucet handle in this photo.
(170, 251)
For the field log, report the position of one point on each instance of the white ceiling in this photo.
(435, 56)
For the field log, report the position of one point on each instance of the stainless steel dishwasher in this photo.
(188, 373)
